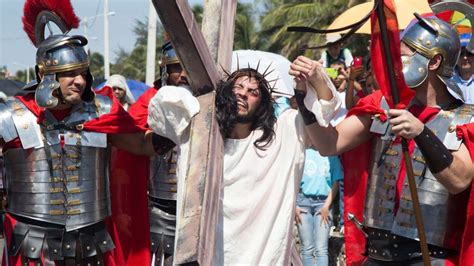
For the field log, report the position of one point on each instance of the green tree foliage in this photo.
(246, 34)
(21, 76)
(283, 13)
(97, 68)
(266, 32)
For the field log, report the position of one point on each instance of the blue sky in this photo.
(17, 52)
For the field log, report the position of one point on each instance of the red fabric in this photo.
(139, 109)
(128, 225)
(355, 181)
(466, 256)
(378, 57)
(132, 171)
(369, 105)
(117, 121)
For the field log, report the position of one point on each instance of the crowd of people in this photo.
(335, 143)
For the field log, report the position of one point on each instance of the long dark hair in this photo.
(226, 107)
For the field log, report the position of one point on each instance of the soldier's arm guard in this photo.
(436, 155)
(308, 117)
(161, 145)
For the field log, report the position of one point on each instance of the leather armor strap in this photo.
(308, 117)
(383, 246)
(161, 144)
(437, 156)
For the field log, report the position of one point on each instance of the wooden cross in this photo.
(196, 231)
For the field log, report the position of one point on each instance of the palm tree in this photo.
(246, 32)
(283, 13)
(297, 13)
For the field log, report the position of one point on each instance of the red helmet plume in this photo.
(61, 9)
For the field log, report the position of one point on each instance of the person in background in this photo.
(360, 84)
(313, 215)
(122, 92)
(338, 74)
(335, 52)
(464, 74)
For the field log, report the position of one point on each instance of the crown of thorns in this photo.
(264, 75)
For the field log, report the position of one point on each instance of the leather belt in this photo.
(382, 245)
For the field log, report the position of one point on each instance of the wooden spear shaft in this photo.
(406, 154)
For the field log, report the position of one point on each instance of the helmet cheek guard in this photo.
(415, 69)
(44, 92)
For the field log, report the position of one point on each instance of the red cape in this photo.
(128, 225)
(131, 170)
(466, 132)
(356, 178)
(139, 109)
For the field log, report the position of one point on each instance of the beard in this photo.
(247, 119)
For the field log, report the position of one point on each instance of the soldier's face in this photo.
(177, 76)
(72, 85)
(248, 96)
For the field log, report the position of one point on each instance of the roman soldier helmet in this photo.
(168, 57)
(428, 37)
(56, 53)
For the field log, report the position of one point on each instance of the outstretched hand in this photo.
(404, 123)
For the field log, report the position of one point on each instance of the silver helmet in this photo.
(429, 37)
(56, 53)
(168, 57)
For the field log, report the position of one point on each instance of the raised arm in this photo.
(351, 132)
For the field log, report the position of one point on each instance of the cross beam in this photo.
(187, 39)
(198, 213)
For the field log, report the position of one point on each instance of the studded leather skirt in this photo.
(162, 231)
(39, 241)
(382, 245)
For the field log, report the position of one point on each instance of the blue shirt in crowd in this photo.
(320, 173)
(466, 86)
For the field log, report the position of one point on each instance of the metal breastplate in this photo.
(163, 180)
(437, 205)
(62, 184)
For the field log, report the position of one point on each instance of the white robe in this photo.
(259, 193)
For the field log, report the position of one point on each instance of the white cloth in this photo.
(341, 113)
(170, 112)
(322, 109)
(259, 195)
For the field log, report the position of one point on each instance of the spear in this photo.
(406, 155)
